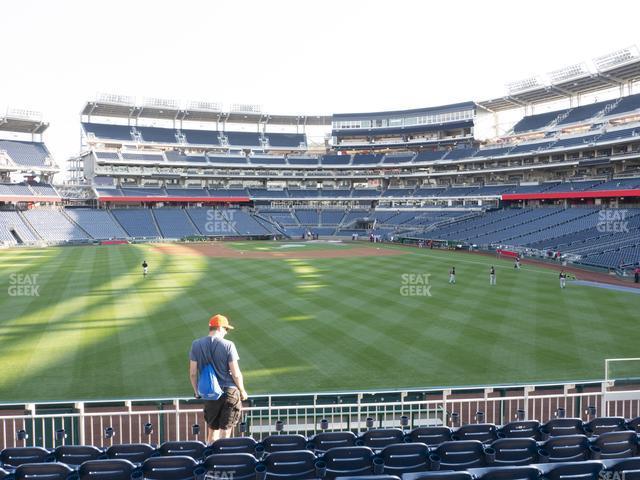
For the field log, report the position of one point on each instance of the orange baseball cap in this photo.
(220, 321)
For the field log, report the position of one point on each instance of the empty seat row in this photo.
(465, 457)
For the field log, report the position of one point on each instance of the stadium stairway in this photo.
(73, 222)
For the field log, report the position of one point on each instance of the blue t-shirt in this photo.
(222, 351)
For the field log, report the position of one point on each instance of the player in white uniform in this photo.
(452, 275)
(492, 276)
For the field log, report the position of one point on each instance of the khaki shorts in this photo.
(223, 413)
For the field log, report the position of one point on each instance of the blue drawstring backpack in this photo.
(208, 384)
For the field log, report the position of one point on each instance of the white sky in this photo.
(291, 56)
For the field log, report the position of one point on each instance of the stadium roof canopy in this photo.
(23, 121)
(125, 107)
(611, 70)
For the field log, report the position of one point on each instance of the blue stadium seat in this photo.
(568, 448)
(634, 424)
(43, 471)
(170, 468)
(404, 458)
(572, 471)
(134, 452)
(381, 437)
(630, 467)
(189, 448)
(370, 477)
(117, 469)
(4, 474)
(615, 445)
(293, 465)
(283, 443)
(239, 466)
(507, 473)
(341, 461)
(13, 457)
(74, 455)
(323, 441)
(562, 426)
(601, 425)
(448, 475)
(459, 455)
(521, 429)
(432, 436)
(514, 451)
(484, 432)
(234, 445)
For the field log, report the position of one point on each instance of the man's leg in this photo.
(225, 433)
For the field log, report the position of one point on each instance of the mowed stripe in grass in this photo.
(101, 330)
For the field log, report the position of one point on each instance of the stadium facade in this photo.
(447, 174)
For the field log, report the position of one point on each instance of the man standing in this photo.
(636, 274)
(492, 276)
(145, 268)
(563, 279)
(223, 414)
(452, 275)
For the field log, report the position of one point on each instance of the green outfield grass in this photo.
(98, 329)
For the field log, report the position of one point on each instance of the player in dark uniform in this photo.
(145, 268)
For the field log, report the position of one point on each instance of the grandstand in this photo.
(561, 185)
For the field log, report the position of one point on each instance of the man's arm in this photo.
(193, 375)
(236, 374)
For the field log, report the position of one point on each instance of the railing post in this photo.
(445, 406)
(80, 408)
(527, 389)
(176, 404)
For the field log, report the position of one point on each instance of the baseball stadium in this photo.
(415, 294)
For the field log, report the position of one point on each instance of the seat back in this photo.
(42, 471)
(108, 469)
(562, 426)
(615, 445)
(510, 473)
(574, 471)
(234, 445)
(438, 476)
(379, 438)
(515, 451)
(370, 477)
(601, 425)
(13, 457)
(460, 455)
(402, 458)
(134, 452)
(630, 467)
(432, 436)
(178, 467)
(74, 455)
(239, 466)
(570, 448)
(324, 441)
(483, 432)
(634, 424)
(348, 461)
(188, 448)
(522, 429)
(294, 465)
(284, 443)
